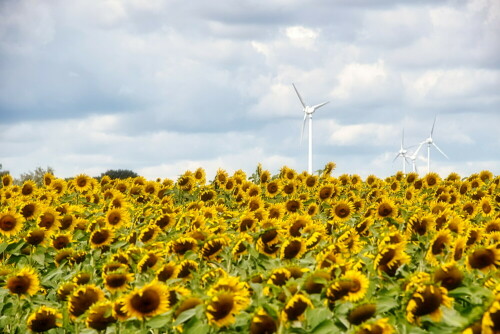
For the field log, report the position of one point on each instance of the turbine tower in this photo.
(430, 142)
(308, 111)
(402, 152)
(413, 157)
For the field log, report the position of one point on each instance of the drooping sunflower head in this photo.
(44, 319)
(117, 280)
(295, 308)
(449, 275)
(186, 268)
(362, 313)
(223, 307)
(293, 248)
(263, 323)
(11, 223)
(23, 282)
(426, 300)
(100, 315)
(82, 298)
(148, 301)
(484, 259)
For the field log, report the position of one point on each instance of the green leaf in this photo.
(3, 246)
(317, 316)
(196, 326)
(185, 316)
(325, 327)
(159, 321)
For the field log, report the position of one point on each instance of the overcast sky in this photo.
(163, 86)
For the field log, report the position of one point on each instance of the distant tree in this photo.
(36, 175)
(119, 173)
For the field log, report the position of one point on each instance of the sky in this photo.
(164, 86)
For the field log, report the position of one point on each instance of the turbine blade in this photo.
(432, 130)
(303, 128)
(397, 156)
(403, 139)
(440, 151)
(319, 105)
(300, 97)
(418, 149)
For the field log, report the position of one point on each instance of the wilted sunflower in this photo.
(117, 217)
(11, 223)
(23, 282)
(44, 319)
(426, 300)
(295, 308)
(101, 238)
(484, 259)
(148, 301)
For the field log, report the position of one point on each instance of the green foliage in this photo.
(119, 173)
(3, 172)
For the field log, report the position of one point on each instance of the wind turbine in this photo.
(429, 141)
(413, 157)
(308, 111)
(402, 152)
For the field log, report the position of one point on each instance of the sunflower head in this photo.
(100, 315)
(11, 223)
(44, 319)
(295, 308)
(426, 300)
(23, 282)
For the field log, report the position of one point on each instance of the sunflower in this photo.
(100, 315)
(316, 281)
(491, 318)
(426, 300)
(449, 275)
(295, 308)
(186, 267)
(36, 236)
(82, 278)
(65, 290)
(381, 326)
(351, 286)
(390, 257)
(223, 307)
(211, 249)
(431, 179)
(263, 323)
(167, 271)
(163, 221)
(327, 191)
(272, 188)
(44, 319)
(484, 259)
(149, 260)
(101, 238)
(61, 241)
(421, 224)
(149, 233)
(362, 313)
(181, 245)
(342, 210)
(7, 180)
(117, 281)
(438, 244)
(23, 282)
(117, 217)
(293, 248)
(49, 219)
(386, 208)
(11, 223)
(82, 183)
(148, 301)
(82, 298)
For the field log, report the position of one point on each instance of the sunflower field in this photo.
(261, 254)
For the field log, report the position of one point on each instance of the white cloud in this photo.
(302, 37)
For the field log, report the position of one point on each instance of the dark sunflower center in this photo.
(8, 223)
(114, 218)
(43, 322)
(222, 307)
(116, 280)
(325, 193)
(362, 313)
(264, 324)
(146, 303)
(292, 249)
(481, 258)
(47, 220)
(342, 211)
(429, 302)
(438, 246)
(19, 284)
(35, 237)
(28, 210)
(294, 311)
(100, 237)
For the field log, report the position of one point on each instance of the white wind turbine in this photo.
(413, 157)
(308, 111)
(402, 152)
(429, 141)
